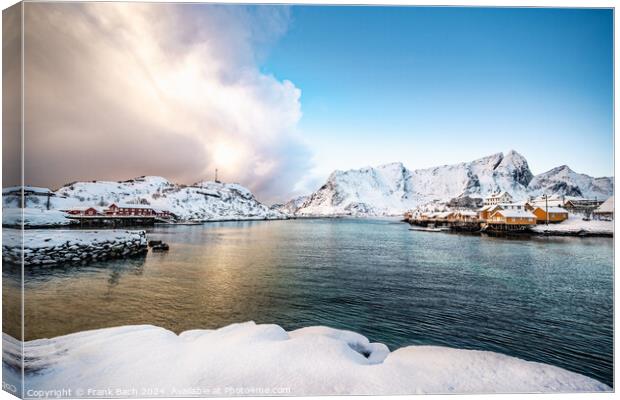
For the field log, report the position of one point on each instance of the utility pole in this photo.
(591, 213)
(547, 210)
(216, 175)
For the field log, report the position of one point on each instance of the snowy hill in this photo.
(392, 189)
(203, 201)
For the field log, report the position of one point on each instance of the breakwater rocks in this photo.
(45, 247)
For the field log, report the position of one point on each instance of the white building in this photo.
(497, 198)
(551, 201)
(513, 206)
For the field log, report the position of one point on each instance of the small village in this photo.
(501, 214)
(114, 215)
(120, 214)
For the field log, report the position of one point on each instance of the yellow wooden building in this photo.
(512, 217)
(465, 216)
(555, 214)
(485, 212)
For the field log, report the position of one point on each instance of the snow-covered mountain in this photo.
(200, 202)
(291, 206)
(392, 189)
(366, 191)
(564, 181)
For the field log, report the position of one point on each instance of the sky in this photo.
(278, 97)
(433, 86)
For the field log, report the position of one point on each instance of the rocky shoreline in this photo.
(582, 233)
(44, 247)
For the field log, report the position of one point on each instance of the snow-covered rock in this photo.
(203, 201)
(392, 189)
(50, 247)
(250, 359)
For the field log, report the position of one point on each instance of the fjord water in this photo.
(539, 299)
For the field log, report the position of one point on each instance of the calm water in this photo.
(543, 299)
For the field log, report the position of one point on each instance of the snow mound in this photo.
(43, 238)
(576, 224)
(265, 359)
(34, 217)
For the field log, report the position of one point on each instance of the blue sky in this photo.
(432, 86)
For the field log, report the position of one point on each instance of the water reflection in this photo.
(37, 274)
(544, 299)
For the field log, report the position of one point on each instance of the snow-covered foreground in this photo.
(265, 359)
(35, 217)
(575, 224)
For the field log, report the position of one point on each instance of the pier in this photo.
(118, 215)
(467, 222)
(116, 221)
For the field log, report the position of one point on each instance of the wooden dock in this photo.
(88, 221)
(469, 226)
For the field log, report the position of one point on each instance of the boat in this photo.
(423, 229)
(161, 247)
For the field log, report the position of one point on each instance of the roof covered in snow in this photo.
(553, 209)
(499, 195)
(127, 205)
(490, 207)
(607, 206)
(84, 208)
(467, 213)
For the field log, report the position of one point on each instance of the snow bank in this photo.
(63, 246)
(575, 224)
(265, 359)
(34, 217)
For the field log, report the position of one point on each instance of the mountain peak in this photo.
(562, 169)
(515, 156)
(391, 164)
(395, 166)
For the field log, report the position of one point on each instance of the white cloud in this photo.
(115, 90)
